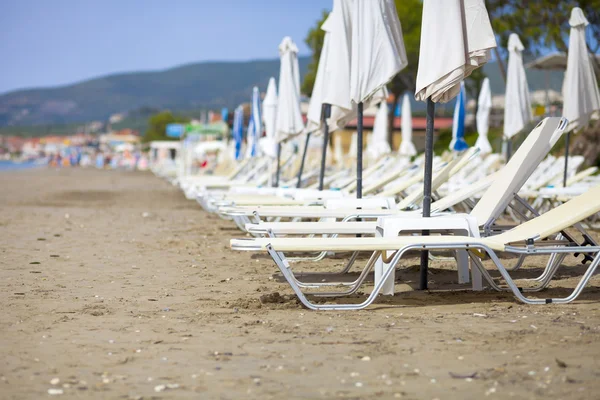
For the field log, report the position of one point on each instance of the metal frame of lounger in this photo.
(545, 278)
(556, 220)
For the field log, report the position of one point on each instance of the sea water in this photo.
(8, 165)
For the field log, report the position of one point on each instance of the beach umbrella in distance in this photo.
(377, 55)
(458, 122)
(407, 147)
(289, 117)
(580, 88)
(378, 144)
(269, 115)
(250, 138)
(268, 144)
(254, 125)
(517, 104)
(458, 32)
(224, 114)
(482, 119)
(238, 131)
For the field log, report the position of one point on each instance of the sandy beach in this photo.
(116, 286)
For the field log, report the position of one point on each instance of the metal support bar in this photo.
(299, 184)
(427, 187)
(278, 165)
(567, 140)
(359, 151)
(325, 113)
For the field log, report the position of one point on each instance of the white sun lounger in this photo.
(529, 234)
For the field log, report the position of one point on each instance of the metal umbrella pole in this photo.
(427, 188)
(325, 113)
(278, 165)
(567, 140)
(299, 184)
(359, 151)
(508, 149)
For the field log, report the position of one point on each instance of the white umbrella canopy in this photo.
(517, 103)
(580, 88)
(268, 144)
(289, 117)
(254, 126)
(378, 52)
(407, 147)
(458, 32)
(313, 116)
(378, 144)
(484, 106)
(332, 82)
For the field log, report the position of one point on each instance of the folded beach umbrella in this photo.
(407, 147)
(456, 36)
(580, 87)
(378, 144)
(238, 131)
(335, 86)
(269, 115)
(254, 125)
(458, 32)
(377, 55)
(458, 122)
(251, 138)
(517, 104)
(315, 106)
(330, 100)
(484, 106)
(289, 117)
(316, 111)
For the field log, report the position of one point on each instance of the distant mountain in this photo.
(188, 87)
(192, 86)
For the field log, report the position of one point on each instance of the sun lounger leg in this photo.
(287, 273)
(355, 284)
(476, 278)
(345, 270)
(462, 264)
(584, 280)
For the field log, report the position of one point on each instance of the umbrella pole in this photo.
(359, 151)
(325, 113)
(278, 165)
(299, 184)
(567, 140)
(508, 142)
(427, 188)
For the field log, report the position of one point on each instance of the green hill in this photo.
(188, 87)
(192, 86)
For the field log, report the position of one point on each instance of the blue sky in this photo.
(56, 42)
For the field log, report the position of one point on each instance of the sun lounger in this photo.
(525, 239)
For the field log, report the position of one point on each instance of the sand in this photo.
(116, 286)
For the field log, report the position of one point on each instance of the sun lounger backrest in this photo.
(515, 173)
(439, 178)
(463, 193)
(582, 175)
(555, 220)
